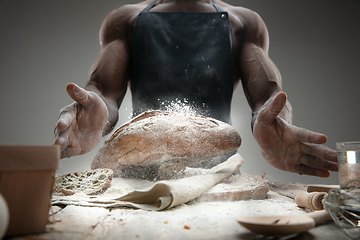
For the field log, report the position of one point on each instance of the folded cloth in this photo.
(159, 195)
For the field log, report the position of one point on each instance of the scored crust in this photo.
(155, 137)
(88, 182)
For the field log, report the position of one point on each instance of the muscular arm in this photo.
(260, 77)
(94, 111)
(108, 74)
(282, 144)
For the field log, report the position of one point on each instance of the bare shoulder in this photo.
(120, 22)
(248, 18)
(128, 10)
(247, 25)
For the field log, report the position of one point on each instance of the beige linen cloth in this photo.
(155, 196)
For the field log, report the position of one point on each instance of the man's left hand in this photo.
(291, 148)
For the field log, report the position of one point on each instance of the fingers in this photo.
(317, 163)
(61, 135)
(316, 160)
(66, 117)
(274, 108)
(305, 135)
(62, 129)
(63, 140)
(65, 120)
(310, 159)
(79, 94)
(303, 169)
(69, 152)
(319, 151)
(68, 143)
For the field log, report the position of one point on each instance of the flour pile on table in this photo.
(157, 195)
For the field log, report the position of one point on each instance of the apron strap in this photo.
(149, 6)
(217, 7)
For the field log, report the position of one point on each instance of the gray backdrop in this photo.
(46, 44)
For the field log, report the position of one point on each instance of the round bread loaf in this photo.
(155, 137)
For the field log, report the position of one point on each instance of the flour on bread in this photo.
(156, 137)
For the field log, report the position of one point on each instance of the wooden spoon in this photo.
(283, 225)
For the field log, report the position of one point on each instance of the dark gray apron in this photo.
(182, 57)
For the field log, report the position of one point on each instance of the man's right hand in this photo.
(80, 125)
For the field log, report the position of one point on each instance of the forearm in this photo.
(111, 105)
(113, 117)
(261, 80)
(108, 78)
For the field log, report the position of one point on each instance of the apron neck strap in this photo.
(150, 6)
(217, 7)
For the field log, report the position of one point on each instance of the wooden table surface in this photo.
(195, 220)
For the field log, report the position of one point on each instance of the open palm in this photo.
(80, 125)
(291, 148)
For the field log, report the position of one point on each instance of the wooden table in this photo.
(195, 220)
